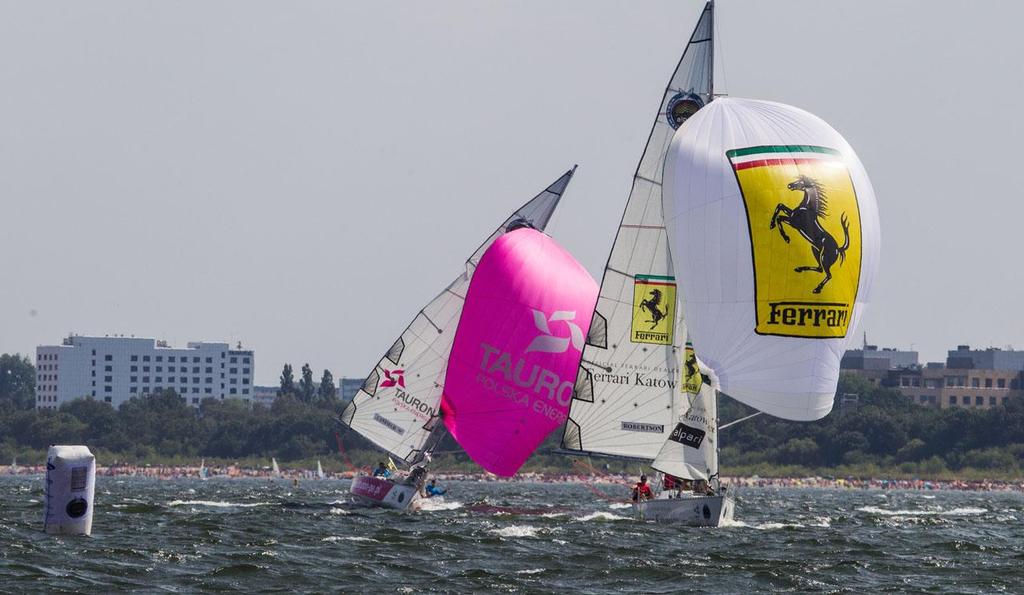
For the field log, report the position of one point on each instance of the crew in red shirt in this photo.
(642, 491)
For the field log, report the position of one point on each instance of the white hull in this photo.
(690, 510)
(384, 493)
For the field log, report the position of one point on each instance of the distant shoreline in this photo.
(169, 472)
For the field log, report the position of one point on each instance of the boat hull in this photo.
(384, 493)
(689, 510)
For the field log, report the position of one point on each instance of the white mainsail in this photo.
(319, 470)
(274, 468)
(397, 407)
(627, 396)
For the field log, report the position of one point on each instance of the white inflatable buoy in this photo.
(70, 484)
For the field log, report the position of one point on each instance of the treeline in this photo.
(884, 430)
(884, 433)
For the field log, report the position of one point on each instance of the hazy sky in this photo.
(304, 176)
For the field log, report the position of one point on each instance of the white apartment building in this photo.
(115, 369)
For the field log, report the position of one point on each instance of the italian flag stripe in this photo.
(780, 149)
(655, 279)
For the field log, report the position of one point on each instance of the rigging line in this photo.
(734, 422)
(648, 180)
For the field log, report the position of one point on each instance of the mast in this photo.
(711, 50)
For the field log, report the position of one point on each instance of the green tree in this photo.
(287, 381)
(17, 382)
(327, 389)
(307, 388)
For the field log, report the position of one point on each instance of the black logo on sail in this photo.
(687, 436)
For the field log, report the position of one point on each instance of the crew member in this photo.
(381, 470)
(432, 489)
(642, 491)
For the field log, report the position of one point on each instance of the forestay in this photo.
(627, 395)
(774, 226)
(398, 404)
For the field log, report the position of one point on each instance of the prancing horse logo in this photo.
(806, 218)
(651, 305)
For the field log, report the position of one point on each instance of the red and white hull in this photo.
(377, 491)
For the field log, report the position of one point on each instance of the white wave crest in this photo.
(333, 538)
(964, 511)
(216, 504)
(339, 511)
(530, 571)
(516, 531)
(602, 516)
(619, 505)
(438, 503)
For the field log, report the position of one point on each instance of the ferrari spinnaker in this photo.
(774, 230)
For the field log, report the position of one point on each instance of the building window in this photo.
(233, 370)
(135, 369)
(245, 370)
(1006, 400)
(245, 360)
(234, 360)
(108, 389)
(145, 358)
(195, 369)
(108, 358)
(975, 383)
(107, 399)
(195, 360)
(195, 389)
(979, 401)
(208, 390)
(108, 368)
(209, 370)
(170, 368)
(159, 368)
(195, 380)
(159, 358)
(133, 389)
(234, 381)
(245, 381)
(170, 359)
(135, 358)
(183, 380)
(145, 390)
(134, 379)
(145, 379)
(145, 368)
(159, 379)
(991, 401)
(94, 352)
(208, 380)
(245, 391)
(195, 401)
(1001, 383)
(108, 379)
(234, 391)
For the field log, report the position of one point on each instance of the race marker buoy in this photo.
(70, 484)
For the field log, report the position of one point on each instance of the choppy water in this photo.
(261, 536)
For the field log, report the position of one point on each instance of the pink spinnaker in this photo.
(517, 349)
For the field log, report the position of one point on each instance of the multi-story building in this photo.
(348, 387)
(977, 379)
(115, 369)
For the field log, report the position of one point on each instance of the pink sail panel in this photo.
(517, 349)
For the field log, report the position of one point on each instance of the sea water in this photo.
(261, 535)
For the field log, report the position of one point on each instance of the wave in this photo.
(339, 511)
(438, 503)
(964, 511)
(602, 516)
(619, 505)
(516, 531)
(333, 538)
(216, 504)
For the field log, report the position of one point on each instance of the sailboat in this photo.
(203, 471)
(319, 470)
(274, 469)
(633, 398)
(398, 406)
(13, 470)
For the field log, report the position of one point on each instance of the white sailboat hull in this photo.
(384, 493)
(689, 510)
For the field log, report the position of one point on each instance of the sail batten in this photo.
(627, 406)
(398, 406)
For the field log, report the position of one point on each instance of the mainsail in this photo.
(627, 396)
(397, 406)
(775, 229)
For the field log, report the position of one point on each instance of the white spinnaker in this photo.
(398, 404)
(713, 241)
(627, 393)
(691, 451)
